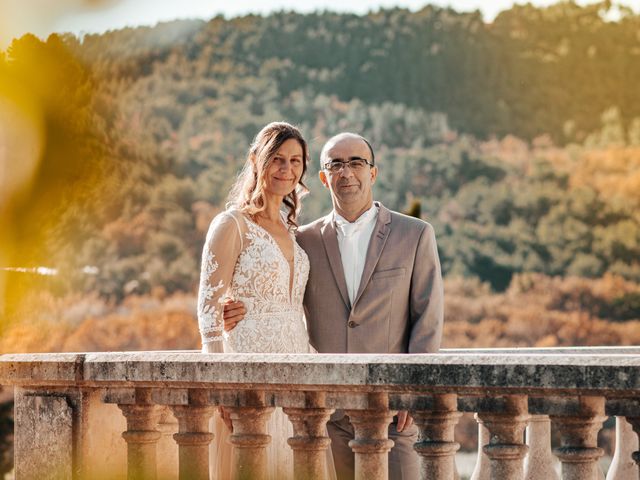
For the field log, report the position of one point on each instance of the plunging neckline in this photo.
(291, 265)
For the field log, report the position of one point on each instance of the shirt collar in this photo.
(362, 220)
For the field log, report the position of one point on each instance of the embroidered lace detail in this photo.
(223, 241)
(274, 321)
(260, 278)
(209, 321)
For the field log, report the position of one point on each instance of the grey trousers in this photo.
(404, 463)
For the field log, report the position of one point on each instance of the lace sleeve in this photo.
(221, 250)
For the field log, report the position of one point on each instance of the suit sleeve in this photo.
(427, 296)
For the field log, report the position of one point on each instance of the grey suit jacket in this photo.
(399, 305)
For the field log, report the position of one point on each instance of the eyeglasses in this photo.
(355, 163)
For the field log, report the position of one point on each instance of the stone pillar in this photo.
(310, 440)
(436, 445)
(141, 436)
(43, 435)
(635, 423)
(579, 452)
(193, 437)
(622, 465)
(540, 462)
(506, 450)
(167, 450)
(482, 470)
(250, 437)
(371, 442)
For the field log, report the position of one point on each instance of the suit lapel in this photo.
(376, 244)
(330, 240)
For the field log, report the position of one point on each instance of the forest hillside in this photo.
(518, 139)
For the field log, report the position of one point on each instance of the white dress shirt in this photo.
(353, 241)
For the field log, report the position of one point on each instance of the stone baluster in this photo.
(141, 435)
(482, 470)
(635, 423)
(371, 442)
(506, 449)
(167, 463)
(579, 452)
(436, 445)
(540, 463)
(310, 440)
(622, 465)
(250, 437)
(193, 437)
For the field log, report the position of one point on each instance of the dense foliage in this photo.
(532, 71)
(174, 107)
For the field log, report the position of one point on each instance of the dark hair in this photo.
(247, 193)
(373, 156)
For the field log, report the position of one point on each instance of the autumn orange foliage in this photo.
(613, 172)
(535, 311)
(85, 324)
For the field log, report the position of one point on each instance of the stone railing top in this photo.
(612, 371)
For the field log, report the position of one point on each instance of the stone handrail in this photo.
(66, 412)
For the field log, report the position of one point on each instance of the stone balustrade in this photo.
(146, 415)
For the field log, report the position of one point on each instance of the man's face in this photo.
(351, 190)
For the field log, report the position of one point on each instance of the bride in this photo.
(251, 255)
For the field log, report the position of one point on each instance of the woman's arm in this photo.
(221, 250)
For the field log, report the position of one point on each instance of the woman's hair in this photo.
(247, 193)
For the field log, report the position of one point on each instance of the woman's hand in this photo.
(233, 313)
(404, 420)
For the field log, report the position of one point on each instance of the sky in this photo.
(43, 17)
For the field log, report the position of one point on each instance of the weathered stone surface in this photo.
(482, 470)
(250, 439)
(371, 444)
(310, 440)
(142, 435)
(546, 351)
(167, 447)
(579, 452)
(622, 465)
(540, 464)
(225, 369)
(436, 445)
(554, 380)
(41, 368)
(524, 372)
(506, 450)
(194, 438)
(44, 436)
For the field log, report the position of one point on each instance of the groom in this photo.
(374, 286)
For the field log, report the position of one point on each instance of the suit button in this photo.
(352, 324)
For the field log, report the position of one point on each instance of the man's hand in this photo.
(233, 313)
(404, 420)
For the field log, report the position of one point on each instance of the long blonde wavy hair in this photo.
(247, 194)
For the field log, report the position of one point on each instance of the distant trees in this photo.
(517, 139)
(532, 71)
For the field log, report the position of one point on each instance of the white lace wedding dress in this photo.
(241, 260)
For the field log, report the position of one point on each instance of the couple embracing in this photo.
(363, 279)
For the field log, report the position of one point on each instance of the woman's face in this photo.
(285, 169)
